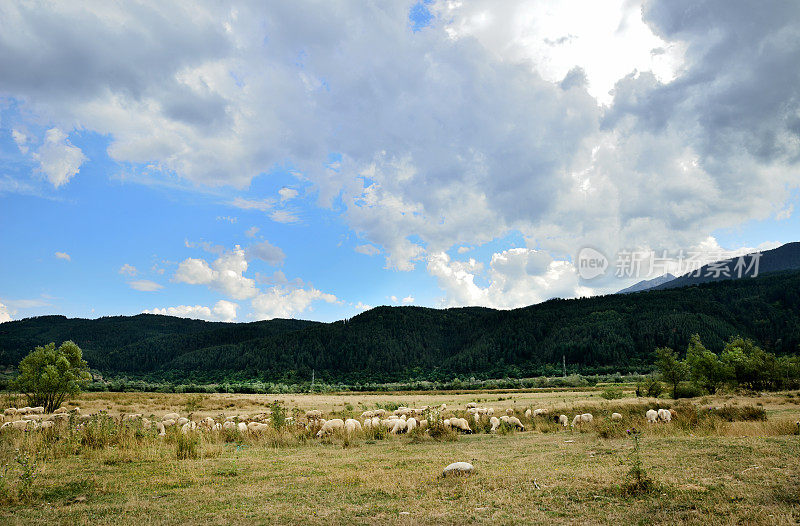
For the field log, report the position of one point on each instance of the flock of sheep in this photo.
(401, 420)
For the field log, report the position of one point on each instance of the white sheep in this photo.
(584, 418)
(509, 411)
(411, 424)
(242, 427)
(38, 410)
(329, 426)
(182, 420)
(398, 427)
(11, 411)
(563, 420)
(664, 415)
(351, 425)
(458, 469)
(188, 426)
(495, 422)
(257, 427)
(460, 424)
(314, 414)
(162, 431)
(367, 414)
(171, 416)
(470, 405)
(380, 412)
(490, 411)
(443, 407)
(616, 416)
(537, 412)
(651, 415)
(528, 413)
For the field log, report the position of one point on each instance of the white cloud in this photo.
(64, 256)
(145, 285)
(58, 159)
(408, 300)
(362, 306)
(128, 269)
(222, 311)
(496, 107)
(267, 252)
(225, 274)
(229, 219)
(252, 231)
(287, 193)
(284, 216)
(516, 277)
(464, 250)
(4, 314)
(367, 249)
(21, 140)
(286, 302)
(253, 204)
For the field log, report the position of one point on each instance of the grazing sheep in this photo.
(47, 424)
(651, 415)
(584, 418)
(411, 424)
(242, 427)
(38, 410)
(188, 426)
(616, 416)
(664, 415)
(351, 425)
(514, 421)
(182, 420)
(490, 411)
(443, 407)
(162, 431)
(446, 423)
(495, 422)
(229, 424)
(314, 414)
(329, 426)
(528, 413)
(60, 410)
(398, 427)
(537, 412)
(11, 411)
(509, 411)
(423, 423)
(563, 420)
(380, 412)
(673, 413)
(470, 405)
(257, 427)
(367, 414)
(458, 469)
(20, 424)
(461, 424)
(477, 417)
(171, 416)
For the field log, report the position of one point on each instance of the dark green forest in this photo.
(387, 344)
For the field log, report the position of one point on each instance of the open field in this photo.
(707, 470)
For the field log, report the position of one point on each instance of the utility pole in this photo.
(564, 364)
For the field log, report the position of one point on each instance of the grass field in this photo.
(708, 471)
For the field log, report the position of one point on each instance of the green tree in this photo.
(47, 376)
(705, 369)
(750, 364)
(672, 369)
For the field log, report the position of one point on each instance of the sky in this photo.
(247, 161)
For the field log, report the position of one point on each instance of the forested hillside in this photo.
(608, 333)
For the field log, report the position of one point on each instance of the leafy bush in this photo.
(612, 393)
(687, 390)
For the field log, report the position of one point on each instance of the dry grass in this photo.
(706, 470)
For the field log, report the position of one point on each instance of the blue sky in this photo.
(415, 154)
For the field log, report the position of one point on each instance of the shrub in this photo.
(637, 482)
(612, 393)
(278, 415)
(687, 390)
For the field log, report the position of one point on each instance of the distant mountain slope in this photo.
(607, 333)
(120, 338)
(785, 257)
(647, 284)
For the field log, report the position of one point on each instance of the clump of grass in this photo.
(187, 445)
(99, 432)
(193, 403)
(637, 482)
(607, 428)
(278, 415)
(27, 474)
